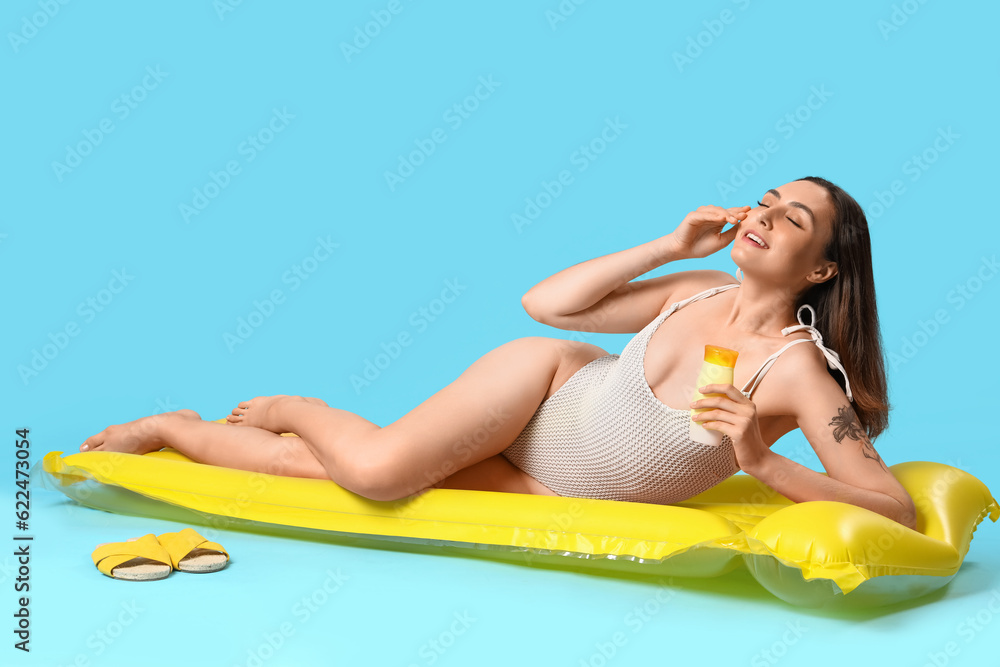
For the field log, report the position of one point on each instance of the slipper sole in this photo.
(144, 559)
(190, 552)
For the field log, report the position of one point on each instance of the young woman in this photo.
(550, 416)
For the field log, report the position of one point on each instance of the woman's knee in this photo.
(377, 471)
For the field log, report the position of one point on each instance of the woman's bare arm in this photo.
(856, 473)
(598, 295)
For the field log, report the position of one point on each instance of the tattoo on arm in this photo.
(847, 426)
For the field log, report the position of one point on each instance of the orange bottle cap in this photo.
(721, 356)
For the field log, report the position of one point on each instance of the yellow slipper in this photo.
(190, 552)
(143, 559)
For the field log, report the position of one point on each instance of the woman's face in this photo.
(794, 221)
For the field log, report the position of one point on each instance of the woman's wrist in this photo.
(666, 250)
(759, 468)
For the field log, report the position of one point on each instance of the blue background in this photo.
(894, 77)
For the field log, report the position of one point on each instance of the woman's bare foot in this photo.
(262, 411)
(135, 437)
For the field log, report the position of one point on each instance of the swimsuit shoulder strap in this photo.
(766, 366)
(712, 291)
(832, 358)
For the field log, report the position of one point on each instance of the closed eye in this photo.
(789, 219)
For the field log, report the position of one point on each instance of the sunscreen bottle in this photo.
(716, 369)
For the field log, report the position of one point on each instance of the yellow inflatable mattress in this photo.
(817, 554)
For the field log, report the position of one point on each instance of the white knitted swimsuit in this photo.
(604, 434)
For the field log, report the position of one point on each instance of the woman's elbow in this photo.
(528, 303)
(907, 514)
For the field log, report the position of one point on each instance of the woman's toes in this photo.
(238, 415)
(92, 443)
(136, 437)
(136, 434)
(257, 412)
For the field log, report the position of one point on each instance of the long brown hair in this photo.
(846, 312)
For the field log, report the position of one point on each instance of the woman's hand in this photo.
(700, 232)
(734, 415)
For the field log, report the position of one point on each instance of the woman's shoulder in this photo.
(703, 279)
(803, 357)
(798, 373)
(690, 283)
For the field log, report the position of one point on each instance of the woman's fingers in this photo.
(703, 230)
(737, 213)
(729, 390)
(729, 234)
(711, 212)
(721, 416)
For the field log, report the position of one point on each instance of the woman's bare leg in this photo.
(472, 419)
(252, 449)
(257, 450)
(495, 473)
